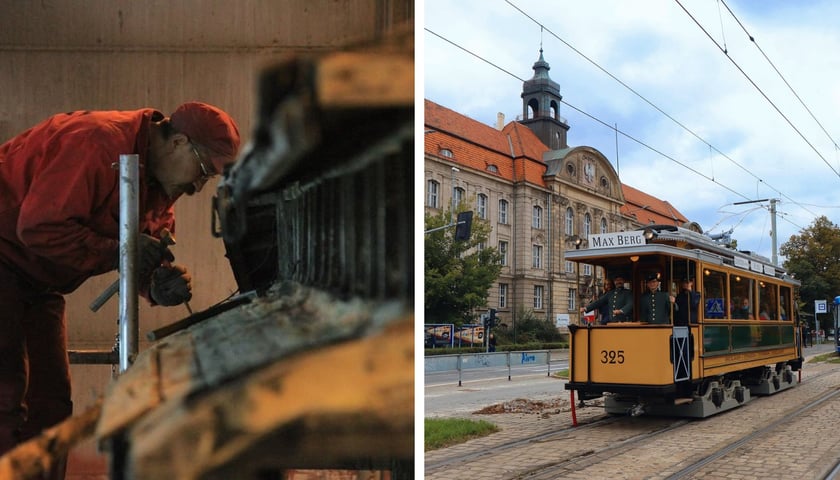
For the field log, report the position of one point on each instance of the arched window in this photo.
(536, 220)
(533, 108)
(458, 195)
(445, 152)
(503, 211)
(432, 193)
(570, 221)
(603, 225)
(587, 225)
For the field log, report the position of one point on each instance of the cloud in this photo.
(736, 146)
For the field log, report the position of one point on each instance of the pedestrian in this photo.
(59, 226)
(655, 305)
(491, 343)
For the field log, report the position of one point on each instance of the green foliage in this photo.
(529, 330)
(813, 258)
(442, 432)
(458, 275)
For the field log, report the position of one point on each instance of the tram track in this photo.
(598, 446)
(740, 443)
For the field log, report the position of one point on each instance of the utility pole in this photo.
(773, 236)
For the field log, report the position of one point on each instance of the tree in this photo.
(458, 274)
(813, 258)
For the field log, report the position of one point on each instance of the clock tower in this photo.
(541, 107)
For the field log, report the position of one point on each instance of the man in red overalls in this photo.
(59, 225)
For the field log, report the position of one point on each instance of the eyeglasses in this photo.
(205, 173)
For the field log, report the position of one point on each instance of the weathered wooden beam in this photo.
(296, 379)
(30, 460)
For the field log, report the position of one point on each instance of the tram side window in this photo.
(714, 294)
(768, 304)
(741, 289)
(784, 304)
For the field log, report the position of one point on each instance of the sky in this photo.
(706, 118)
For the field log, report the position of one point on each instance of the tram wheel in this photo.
(717, 396)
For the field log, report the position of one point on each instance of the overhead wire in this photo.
(752, 39)
(657, 108)
(624, 134)
(670, 117)
(760, 91)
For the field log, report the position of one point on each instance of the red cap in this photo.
(209, 127)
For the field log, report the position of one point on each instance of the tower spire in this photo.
(541, 101)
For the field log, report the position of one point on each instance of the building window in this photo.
(503, 289)
(570, 266)
(603, 225)
(503, 212)
(570, 221)
(492, 168)
(503, 250)
(537, 254)
(587, 225)
(432, 193)
(445, 152)
(481, 206)
(536, 221)
(481, 246)
(458, 195)
(587, 269)
(538, 297)
(572, 299)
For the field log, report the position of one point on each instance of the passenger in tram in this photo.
(687, 302)
(744, 310)
(618, 302)
(763, 312)
(604, 310)
(655, 305)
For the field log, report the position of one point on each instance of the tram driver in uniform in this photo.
(619, 302)
(656, 305)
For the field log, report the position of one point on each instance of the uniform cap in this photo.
(652, 276)
(209, 127)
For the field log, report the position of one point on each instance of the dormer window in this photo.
(604, 182)
(492, 168)
(570, 169)
(445, 152)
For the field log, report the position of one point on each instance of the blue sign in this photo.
(714, 308)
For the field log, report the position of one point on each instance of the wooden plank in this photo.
(330, 407)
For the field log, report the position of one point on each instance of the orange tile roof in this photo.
(647, 209)
(515, 150)
(517, 154)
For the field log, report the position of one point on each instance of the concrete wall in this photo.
(61, 55)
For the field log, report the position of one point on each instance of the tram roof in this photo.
(678, 242)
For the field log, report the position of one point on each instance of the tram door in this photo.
(681, 353)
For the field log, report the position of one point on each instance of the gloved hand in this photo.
(171, 285)
(150, 253)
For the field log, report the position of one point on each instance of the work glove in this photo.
(150, 254)
(171, 285)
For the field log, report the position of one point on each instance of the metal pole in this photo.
(129, 226)
(773, 229)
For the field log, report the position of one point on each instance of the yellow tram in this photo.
(740, 339)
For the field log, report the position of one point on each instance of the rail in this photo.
(472, 361)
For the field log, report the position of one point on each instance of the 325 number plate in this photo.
(612, 356)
